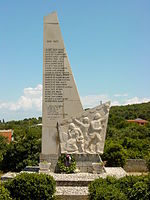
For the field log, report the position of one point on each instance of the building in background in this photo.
(8, 134)
(138, 121)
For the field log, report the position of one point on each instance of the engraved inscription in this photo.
(53, 111)
(56, 78)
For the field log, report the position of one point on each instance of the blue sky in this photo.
(108, 44)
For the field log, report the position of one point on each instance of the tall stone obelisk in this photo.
(60, 95)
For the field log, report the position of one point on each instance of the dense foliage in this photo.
(32, 186)
(120, 113)
(148, 161)
(24, 149)
(4, 193)
(63, 166)
(115, 155)
(3, 147)
(127, 188)
(134, 139)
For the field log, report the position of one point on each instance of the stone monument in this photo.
(67, 128)
(60, 95)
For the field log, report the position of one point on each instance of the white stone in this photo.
(60, 96)
(85, 132)
(44, 166)
(98, 168)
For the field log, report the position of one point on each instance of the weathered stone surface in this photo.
(75, 186)
(64, 122)
(72, 193)
(85, 132)
(50, 158)
(98, 168)
(136, 165)
(44, 167)
(31, 169)
(60, 96)
(8, 176)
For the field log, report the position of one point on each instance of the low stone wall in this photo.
(84, 162)
(135, 165)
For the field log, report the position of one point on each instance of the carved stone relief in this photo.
(86, 132)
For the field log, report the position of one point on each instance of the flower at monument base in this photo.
(66, 163)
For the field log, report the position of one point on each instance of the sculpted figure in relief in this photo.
(75, 141)
(84, 136)
(83, 125)
(95, 134)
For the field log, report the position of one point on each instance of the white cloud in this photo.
(115, 103)
(116, 100)
(3, 105)
(30, 103)
(31, 99)
(136, 100)
(93, 100)
(120, 95)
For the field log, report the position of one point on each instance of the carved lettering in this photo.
(55, 76)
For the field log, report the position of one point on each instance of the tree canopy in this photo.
(132, 139)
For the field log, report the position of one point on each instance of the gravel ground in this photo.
(71, 190)
(118, 172)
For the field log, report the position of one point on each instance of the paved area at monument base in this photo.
(117, 172)
(75, 186)
(72, 193)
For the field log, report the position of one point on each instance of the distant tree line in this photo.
(123, 140)
(25, 148)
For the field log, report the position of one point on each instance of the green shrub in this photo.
(32, 186)
(105, 189)
(126, 183)
(139, 191)
(4, 193)
(126, 188)
(148, 162)
(115, 155)
(63, 167)
(23, 151)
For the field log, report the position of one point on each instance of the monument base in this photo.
(84, 162)
(50, 158)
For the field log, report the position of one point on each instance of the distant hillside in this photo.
(135, 139)
(121, 113)
(30, 122)
(26, 147)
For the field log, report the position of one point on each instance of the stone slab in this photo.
(72, 193)
(136, 165)
(8, 176)
(31, 169)
(117, 172)
(85, 132)
(60, 95)
(50, 158)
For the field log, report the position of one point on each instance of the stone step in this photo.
(72, 193)
(76, 180)
(78, 183)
